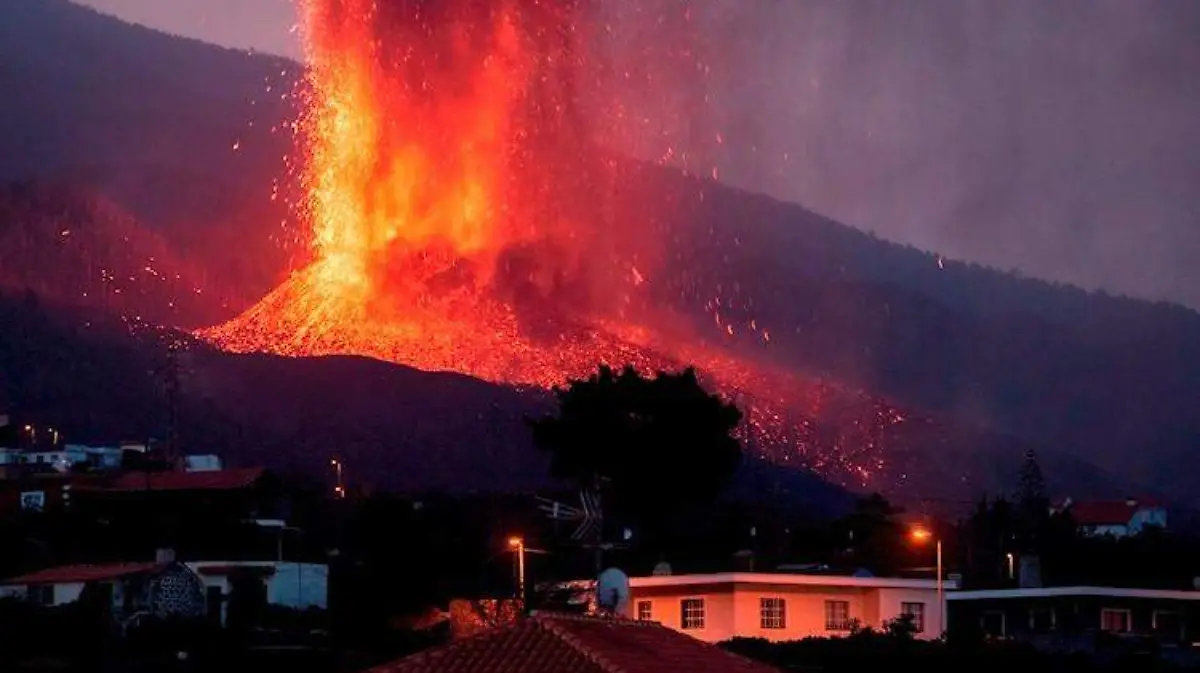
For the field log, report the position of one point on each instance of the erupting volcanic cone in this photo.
(459, 218)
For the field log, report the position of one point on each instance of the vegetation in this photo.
(896, 649)
(653, 447)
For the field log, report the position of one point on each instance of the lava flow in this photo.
(459, 211)
(442, 162)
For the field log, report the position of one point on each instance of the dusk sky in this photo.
(1057, 137)
(264, 25)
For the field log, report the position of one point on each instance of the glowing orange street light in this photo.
(518, 546)
(921, 535)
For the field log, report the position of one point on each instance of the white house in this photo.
(126, 590)
(299, 586)
(781, 607)
(63, 458)
(1118, 518)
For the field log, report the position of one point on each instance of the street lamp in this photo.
(339, 489)
(922, 535)
(518, 546)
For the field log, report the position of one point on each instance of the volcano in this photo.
(464, 220)
(875, 364)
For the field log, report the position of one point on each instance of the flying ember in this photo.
(463, 216)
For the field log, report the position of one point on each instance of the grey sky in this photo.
(264, 25)
(1059, 137)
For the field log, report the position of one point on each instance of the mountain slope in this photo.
(71, 245)
(149, 122)
(96, 379)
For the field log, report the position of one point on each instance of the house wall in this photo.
(1114, 530)
(734, 610)
(1149, 516)
(61, 593)
(1074, 616)
(667, 606)
(890, 600)
(299, 585)
(67, 593)
(292, 585)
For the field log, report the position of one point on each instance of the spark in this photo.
(432, 168)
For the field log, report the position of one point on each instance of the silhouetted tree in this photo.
(871, 536)
(1033, 507)
(655, 445)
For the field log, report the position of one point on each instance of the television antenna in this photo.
(589, 517)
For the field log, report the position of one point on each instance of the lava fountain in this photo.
(461, 216)
(447, 173)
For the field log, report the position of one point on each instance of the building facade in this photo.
(1078, 619)
(126, 591)
(782, 607)
(1116, 518)
(298, 586)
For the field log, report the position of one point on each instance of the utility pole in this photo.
(172, 448)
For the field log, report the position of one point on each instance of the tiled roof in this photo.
(576, 644)
(216, 480)
(1108, 512)
(82, 573)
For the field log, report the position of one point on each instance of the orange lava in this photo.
(414, 150)
(446, 192)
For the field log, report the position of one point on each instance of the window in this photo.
(691, 613)
(993, 624)
(33, 501)
(915, 611)
(837, 615)
(1115, 621)
(773, 613)
(644, 611)
(1168, 625)
(41, 594)
(1041, 620)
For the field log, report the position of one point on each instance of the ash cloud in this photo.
(1057, 137)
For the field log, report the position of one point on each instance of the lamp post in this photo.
(339, 489)
(517, 544)
(921, 536)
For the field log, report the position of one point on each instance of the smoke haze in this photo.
(1057, 137)
(1051, 136)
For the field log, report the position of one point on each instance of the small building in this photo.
(126, 591)
(544, 643)
(298, 586)
(1077, 618)
(238, 493)
(781, 607)
(68, 456)
(1118, 518)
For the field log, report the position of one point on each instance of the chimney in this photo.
(164, 556)
(743, 561)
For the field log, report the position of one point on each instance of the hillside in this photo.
(151, 121)
(71, 245)
(97, 378)
(983, 363)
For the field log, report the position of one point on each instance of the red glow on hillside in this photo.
(458, 214)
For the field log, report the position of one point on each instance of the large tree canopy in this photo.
(655, 443)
